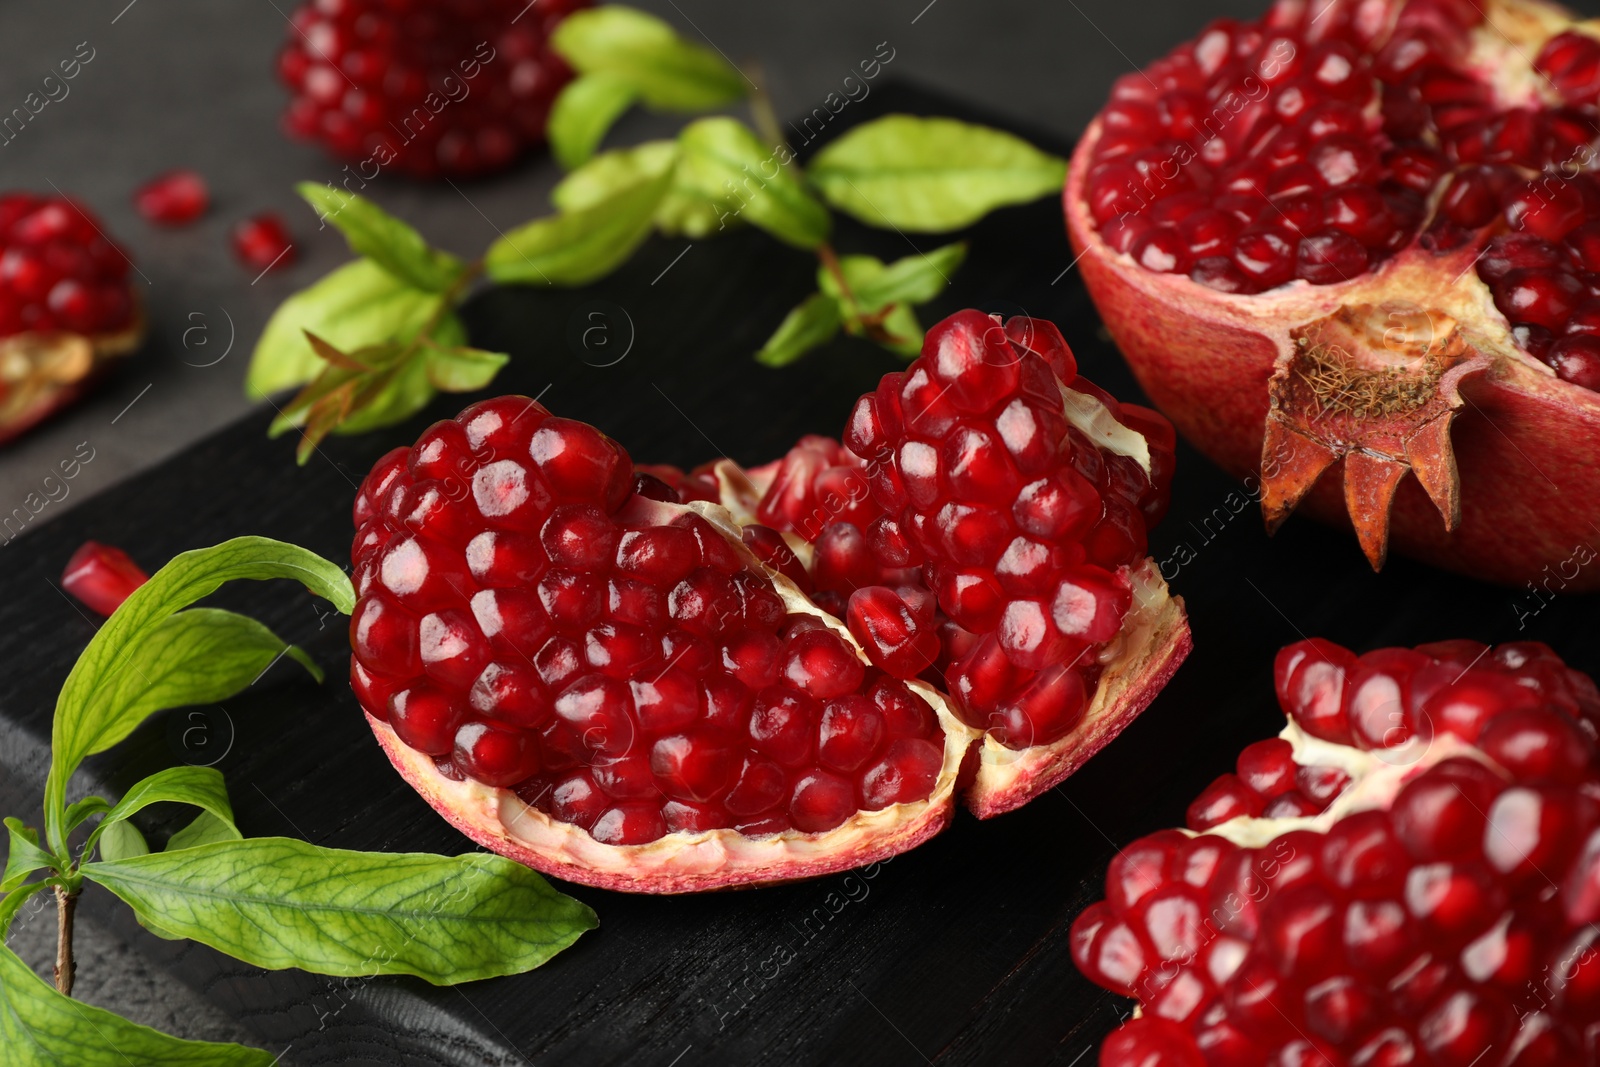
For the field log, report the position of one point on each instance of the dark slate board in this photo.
(956, 953)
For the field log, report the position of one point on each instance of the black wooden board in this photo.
(955, 953)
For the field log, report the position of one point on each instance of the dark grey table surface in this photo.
(189, 83)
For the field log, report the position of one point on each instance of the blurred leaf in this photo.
(586, 109)
(814, 322)
(460, 369)
(389, 242)
(121, 841)
(724, 160)
(578, 247)
(683, 212)
(358, 305)
(668, 72)
(930, 175)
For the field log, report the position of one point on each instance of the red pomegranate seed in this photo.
(262, 243)
(101, 576)
(175, 198)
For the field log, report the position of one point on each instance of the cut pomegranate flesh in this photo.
(1383, 212)
(175, 198)
(263, 243)
(587, 666)
(66, 306)
(101, 576)
(430, 89)
(1437, 905)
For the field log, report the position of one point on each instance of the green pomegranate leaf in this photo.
(725, 162)
(668, 72)
(912, 280)
(578, 247)
(815, 321)
(12, 903)
(584, 112)
(275, 902)
(200, 786)
(931, 175)
(392, 244)
(122, 841)
(41, 1028)
(358, 304)
(205, 829)
(24, 855)
(683, 212)
(462, 368)
(84, 809)
(146, 658)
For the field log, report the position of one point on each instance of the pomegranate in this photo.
(992, 542)
(1408, 874)
(428, 88)
(623, 683)
(66, 307)
(102, 576)
(1356, 237)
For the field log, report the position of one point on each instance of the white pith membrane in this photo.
(1376, 778)
(41, 371)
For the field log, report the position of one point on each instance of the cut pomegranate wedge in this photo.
(1408, 874)
(1358, 238)
(586, 672)
(66, 308)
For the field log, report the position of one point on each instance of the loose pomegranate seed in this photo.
(625, 671)
(1402, 931)
(175, 198)
(102, 576)
(430, 89)
(262, 243)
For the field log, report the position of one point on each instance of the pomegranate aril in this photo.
(175, 198)
(101, 576)
(263, 243)
(1576, 359)
(894, 638)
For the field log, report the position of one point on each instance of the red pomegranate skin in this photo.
(1528, 497)
(1521, 436)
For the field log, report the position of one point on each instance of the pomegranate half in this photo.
(626, 677)
(1408, 874)
(1361, 239)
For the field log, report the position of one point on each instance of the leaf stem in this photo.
(871, 321)
(762, 112)
(66, 966)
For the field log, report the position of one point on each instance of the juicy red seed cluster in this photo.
(532, 622)
(430, 87)
(1384, 699)
(175, 198)
(1311, 144)
(1020, 522)
(102, 576)
(818, 483)
(1461, 919)
(57, 269)
(662, 481)
(263, 243)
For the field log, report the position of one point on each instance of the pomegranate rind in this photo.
(1154, 642)
(41, 373)
(499, 820)
(1530, 500)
